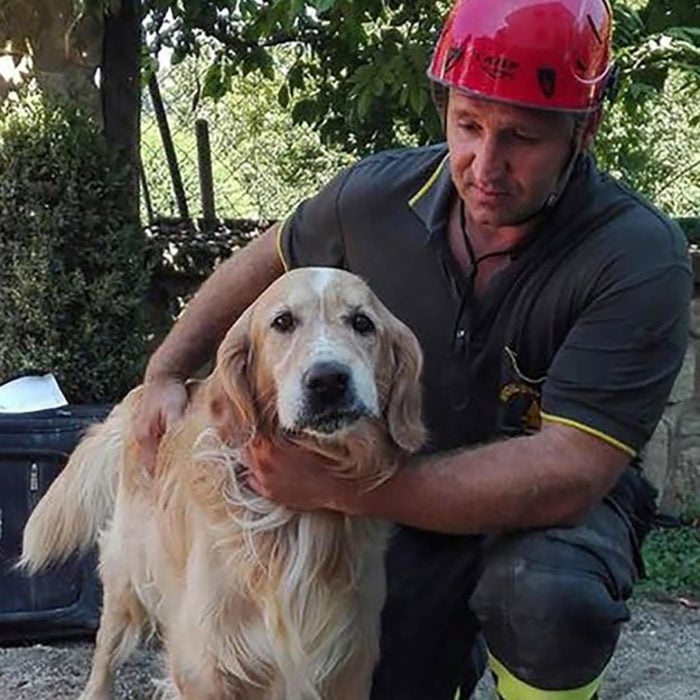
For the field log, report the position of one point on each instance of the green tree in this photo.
(263, 163)
(649, 136)
(358, 73)
(357, 68)
(73, 273)
(64, 40)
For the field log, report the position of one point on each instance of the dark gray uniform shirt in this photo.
(586, 326)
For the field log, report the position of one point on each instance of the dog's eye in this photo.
(284, 322)
(361, 323)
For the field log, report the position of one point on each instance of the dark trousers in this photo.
(548, 602)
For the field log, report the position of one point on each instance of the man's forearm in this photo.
(534, 481)
(220, 301)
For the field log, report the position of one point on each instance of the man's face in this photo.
(504, 160)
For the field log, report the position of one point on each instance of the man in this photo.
(551, 304)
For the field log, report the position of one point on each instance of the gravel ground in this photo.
(658, 659)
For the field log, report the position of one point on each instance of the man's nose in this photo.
(489, 161)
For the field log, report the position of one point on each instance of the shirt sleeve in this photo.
(613, 374)
(312, 234)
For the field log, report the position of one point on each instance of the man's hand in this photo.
(163, 403)
(296, 478)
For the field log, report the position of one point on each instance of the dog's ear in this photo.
(404, 414)
(231, 398)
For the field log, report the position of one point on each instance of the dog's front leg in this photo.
(192, 670)
(206, 684)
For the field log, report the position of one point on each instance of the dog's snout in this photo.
(330, 399)
(327, 382)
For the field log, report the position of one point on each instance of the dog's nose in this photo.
(327, 383)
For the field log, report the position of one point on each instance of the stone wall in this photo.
(672, 457)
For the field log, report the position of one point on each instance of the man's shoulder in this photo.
(645, 228)
(397, 170)
(414, 155)
(627, 221)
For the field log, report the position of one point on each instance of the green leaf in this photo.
(283, 96)
(295, 77)
(305, 110)
(362, 105)
(323, 5)
(661, 14)
(267, 67)
(690, 33)
(215, 83)
(417, 97)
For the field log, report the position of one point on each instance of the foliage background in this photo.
(354, 72)
(263, 163)
(74, 272)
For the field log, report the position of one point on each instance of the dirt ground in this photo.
(658, 659)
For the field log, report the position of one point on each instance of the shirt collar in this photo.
(430, 202)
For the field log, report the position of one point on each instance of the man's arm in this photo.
(234, 285)
(546, 479)
(550, 478)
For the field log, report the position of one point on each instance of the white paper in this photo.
(34, 393)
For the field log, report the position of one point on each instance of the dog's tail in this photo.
(79, 502)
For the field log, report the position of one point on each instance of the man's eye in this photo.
(362, 324)
(467, 126)
(528, 138)
(284, 322)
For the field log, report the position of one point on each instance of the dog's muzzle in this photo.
(330, 398)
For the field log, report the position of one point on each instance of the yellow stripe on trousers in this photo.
(511, 688)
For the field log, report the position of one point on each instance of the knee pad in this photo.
(549, 629)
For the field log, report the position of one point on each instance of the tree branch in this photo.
(677, 176)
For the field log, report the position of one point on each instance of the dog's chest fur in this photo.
(290, 597)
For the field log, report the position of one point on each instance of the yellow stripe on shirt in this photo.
(428, 184)
(278, 241)
(591, 431)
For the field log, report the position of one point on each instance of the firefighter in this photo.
(551, 304)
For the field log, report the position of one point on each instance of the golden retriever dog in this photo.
(253, 601)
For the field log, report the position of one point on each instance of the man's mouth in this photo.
(487, 191)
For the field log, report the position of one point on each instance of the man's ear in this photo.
(231, 397)
(404, 406)
(590, 127)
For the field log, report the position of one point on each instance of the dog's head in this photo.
(318, 355)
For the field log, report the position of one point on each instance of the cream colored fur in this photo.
(253, 601)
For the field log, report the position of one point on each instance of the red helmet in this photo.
(547, 54)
